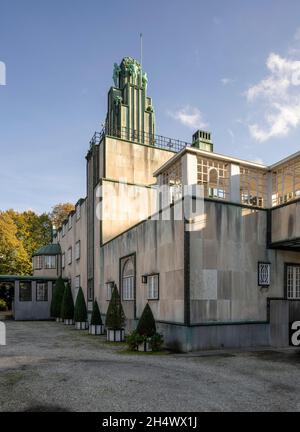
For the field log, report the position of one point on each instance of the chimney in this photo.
(202, 141)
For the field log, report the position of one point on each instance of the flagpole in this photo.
(141, 44)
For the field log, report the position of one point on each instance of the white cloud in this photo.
(277, 98)
(226, 81)
(190, 117)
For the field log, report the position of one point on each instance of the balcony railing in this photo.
(141, 137)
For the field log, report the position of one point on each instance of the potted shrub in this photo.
(96, 326)
(67, 306)
(115, 318)
(56, 301)
(146, 328)
(133, 340)
(156, 342)
(80, 312)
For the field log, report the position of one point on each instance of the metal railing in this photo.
(142, 137)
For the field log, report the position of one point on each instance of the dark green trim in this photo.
(13, 278)
(224, 323)
(211, 323)
(284, 244)
(50, 249)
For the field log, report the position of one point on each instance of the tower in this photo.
(130, 113)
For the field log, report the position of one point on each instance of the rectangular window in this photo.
(77, 285)
(70, 222)
(90, 289)
(293, 282)
(50, 261)
(42, 291)
(264, 274)
(109, 290)
(153, 287)
(77, 250)
(78, 212)
(70, 255)
(38, 262)
(63, 260)
(63, 229)
(128, 288)
(25, 291)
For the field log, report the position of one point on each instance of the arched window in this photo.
(128, 279)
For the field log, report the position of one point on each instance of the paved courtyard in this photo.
(47, 366)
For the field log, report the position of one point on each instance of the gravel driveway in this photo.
(47, 366)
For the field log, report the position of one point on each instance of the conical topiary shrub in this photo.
(115, 318)
(58, 292)
(146, 325)
(67, 306)
(96, 326)
(80, 312)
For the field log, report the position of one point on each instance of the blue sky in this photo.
(232, 67)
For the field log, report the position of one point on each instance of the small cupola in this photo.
(202, 141)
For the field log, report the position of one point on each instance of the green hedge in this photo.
(146, 325)
(57, 296)
(67, 306)
(115, 317)
(96, 315)
(80, 312)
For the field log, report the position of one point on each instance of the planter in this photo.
(115, 335)
(83, 325)
(68, 322)
(96, 329)
(144, 347)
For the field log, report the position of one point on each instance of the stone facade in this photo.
(220, 278)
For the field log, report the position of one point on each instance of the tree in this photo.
(80, 312)
(60, 212)
(14, 258)
(32, 229)
(146, 325)
(21, 235)
(115, 317)
(58, 292)
(96, 316)
(67, 305)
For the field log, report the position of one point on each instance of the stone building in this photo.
(227, 277)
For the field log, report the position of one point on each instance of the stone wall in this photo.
(159, 248)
